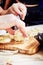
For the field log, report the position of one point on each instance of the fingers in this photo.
(10, 31)
(23, 9)
(10, 10)
(24, 32)
(21, 25)
(11, 20)
(16, 9)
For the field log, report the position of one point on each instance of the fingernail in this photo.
(25, 35)
(23, 17)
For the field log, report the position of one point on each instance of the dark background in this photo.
(34, 14)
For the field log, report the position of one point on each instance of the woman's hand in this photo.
(7, 21)
(18, 9)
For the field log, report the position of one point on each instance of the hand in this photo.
(18, 9)
(20, 24)
(7, 21)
